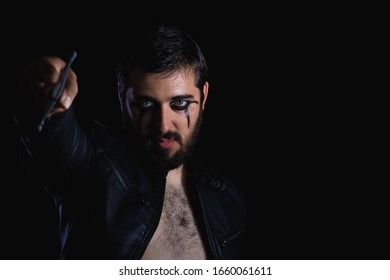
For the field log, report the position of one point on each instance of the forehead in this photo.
(162, 86)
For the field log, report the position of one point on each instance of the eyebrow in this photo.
(181, 97)
(174, 98)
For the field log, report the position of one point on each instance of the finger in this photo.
(42, 75)
(70, 91)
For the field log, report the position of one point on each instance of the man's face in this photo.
(167, 113)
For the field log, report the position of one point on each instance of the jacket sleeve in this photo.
(58, 156)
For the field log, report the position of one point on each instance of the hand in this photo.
(39, 79)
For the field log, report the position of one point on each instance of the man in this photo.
(135, 193)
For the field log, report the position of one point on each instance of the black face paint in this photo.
(144, 105)
(188, 116)
(185, 109)
(141, 114)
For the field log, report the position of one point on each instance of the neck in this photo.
(175, 176)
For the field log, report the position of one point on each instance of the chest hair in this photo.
(177, 235)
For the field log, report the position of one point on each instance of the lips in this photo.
(166, 143)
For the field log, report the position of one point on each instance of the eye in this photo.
(180, 104)
(143, 103)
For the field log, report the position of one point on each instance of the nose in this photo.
(163, 119)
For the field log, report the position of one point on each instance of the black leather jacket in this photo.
(110, 202)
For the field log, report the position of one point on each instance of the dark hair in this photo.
(163, 49)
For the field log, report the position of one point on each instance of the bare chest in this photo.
(177, 235)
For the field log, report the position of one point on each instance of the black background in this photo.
(283, 120)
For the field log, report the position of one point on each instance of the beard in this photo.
(161, 158)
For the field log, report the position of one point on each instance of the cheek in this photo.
(141, 121)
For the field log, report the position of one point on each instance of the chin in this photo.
(167, 162)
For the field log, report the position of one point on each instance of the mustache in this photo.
(157, 136)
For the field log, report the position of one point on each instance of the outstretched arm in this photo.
(53, 143)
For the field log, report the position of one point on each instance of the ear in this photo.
(121, 91)
(205, 94)
(125, 97)
(121, 98)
